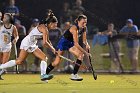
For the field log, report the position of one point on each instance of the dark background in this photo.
(99, 12)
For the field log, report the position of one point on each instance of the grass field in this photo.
(30, 83)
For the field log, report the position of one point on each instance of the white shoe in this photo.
(76, 77)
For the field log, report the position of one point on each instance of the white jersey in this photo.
(5, 38)
(29, 43)
(35, 34)
(5, 35)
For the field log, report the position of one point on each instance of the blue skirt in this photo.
(64, 44)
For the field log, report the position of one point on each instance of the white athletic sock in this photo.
(10, 63)
(43, 67)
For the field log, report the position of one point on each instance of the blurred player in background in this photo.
(6, 31)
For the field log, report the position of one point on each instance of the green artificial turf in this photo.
(30, 83)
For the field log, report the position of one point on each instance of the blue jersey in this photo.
(68, 35)
(66, 42)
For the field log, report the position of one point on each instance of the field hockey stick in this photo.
(73, 62)
(91, 67)
(15, 48)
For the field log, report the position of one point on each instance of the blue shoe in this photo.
(46, 77)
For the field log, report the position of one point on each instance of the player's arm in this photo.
(15, 34)
(45, 37)
(74, 31)
(85, 39)
(48, 38)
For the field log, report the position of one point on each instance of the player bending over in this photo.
(70, 42)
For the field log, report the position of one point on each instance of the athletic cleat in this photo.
(76, 77)
(1, 78)
(46, 77)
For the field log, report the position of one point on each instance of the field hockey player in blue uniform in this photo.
(70, 42)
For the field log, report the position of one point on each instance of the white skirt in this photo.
(28, 45)
(5, 48)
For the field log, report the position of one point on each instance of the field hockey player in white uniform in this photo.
(28, 45)
(7, 30)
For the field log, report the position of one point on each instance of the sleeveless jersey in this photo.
(5, 35)
(35, 34)
(68, 35)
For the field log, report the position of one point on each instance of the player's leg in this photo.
(43, 65)
(74, 50)
(0, 64)
(23, 54)
(62, 45)
(55, 62)
(0, 57)
(5, 58)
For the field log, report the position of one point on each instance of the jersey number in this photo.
(5, 38)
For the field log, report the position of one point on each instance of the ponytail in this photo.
(50, 18)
